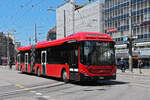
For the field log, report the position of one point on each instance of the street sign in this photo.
(125, 38)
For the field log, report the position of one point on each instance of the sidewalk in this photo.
(7, 67)
(135, 71)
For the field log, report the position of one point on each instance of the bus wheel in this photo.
(38, 72)
(64, 76)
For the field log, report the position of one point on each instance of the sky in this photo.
(19, 16)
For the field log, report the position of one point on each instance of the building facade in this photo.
(111, 17)
(3, 45)
(7, 46)
(72, 18)
(117, 14)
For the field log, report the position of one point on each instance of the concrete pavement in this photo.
(135, 72)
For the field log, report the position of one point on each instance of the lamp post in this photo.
(35, 34)
(130, 40)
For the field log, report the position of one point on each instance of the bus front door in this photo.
(26, 62)
(43, 62)
(73, 65)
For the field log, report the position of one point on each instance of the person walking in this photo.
(10, 64)
(140, 65)
(122, 65)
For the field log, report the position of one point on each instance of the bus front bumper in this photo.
(89, 78)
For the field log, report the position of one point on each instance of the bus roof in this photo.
(82, 36)
(24, 48)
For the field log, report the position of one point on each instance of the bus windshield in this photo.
(97, 53)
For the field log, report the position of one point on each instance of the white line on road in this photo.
(39, 94)
(46, 97)
(32, 91)
(33, 88)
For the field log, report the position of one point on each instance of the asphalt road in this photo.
(17, 86)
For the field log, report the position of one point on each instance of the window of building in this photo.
(138, 6)
(127, 21)
(142, 30)
(133, 7)
(145, 29)
(145, 3)
(118, 23)
(137, 30)
(142, 18)
(148, 28)
(138, 18)
(115, 23)
(121, 11)
(145, 35)
(116, 13)
(148, 35)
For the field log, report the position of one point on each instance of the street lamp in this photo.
(130, 37)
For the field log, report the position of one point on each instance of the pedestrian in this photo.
(10, 64)
(140, 65)
(122, 65)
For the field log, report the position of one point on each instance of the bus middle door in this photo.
(18, 61)
(26, 62)
(43, 62)
(73, 64)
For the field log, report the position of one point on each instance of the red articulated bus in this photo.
(80, 56)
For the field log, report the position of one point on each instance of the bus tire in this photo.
(38, 72)
(64, 76)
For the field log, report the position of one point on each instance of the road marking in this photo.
(26, 89)
(46, 97)
(32, 91)
(33, 88)
(39, 94)
(21, 87)
(18, 85)
(47, 86)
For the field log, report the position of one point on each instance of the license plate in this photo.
(101, 77)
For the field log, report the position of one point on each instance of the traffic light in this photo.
(129, 39)
(132, 38)
(128, 45)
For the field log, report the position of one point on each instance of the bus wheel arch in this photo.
(64, 75)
